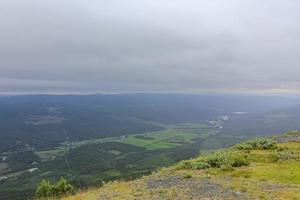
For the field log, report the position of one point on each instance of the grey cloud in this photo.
(145, 45)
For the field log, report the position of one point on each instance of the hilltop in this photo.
(263, 168)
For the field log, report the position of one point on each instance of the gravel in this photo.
(288, 139)
(197, 188)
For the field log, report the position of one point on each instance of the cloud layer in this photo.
(145, 45)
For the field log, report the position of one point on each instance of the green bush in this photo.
(192, 164)
(46, 189)
(257, 144)
(199, 164)
(62, 187)
(292, 133)
(226, 160)
(284, 155)
(187, 176)
(185, 164)
(215, 160)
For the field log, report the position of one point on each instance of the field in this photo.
(172, 136)
(168, 138)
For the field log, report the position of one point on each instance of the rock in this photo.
(237, 193)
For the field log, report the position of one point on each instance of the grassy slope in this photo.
(271, 174)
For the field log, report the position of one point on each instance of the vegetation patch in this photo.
(285, 155)
(257, 144)
(45, 189)
(222, 160)
(144, 137)
(188, 175)
(168, 138)
(280, 172)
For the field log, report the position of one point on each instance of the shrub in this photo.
(62, 187)
(226, 160)
(185, 164)
(257, 144)
(193, 164)
(284, 155)
(46, 189)
(187, 176)
(199, 164)
(215, 160)
(292, 133)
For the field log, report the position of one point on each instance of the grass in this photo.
(168, 138)
(294, 146)
(188, 175)
(282, 172)
(110, 191)
(50, 154)
(148, 144)
(159, 160)
(112, 173)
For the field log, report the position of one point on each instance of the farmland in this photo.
(168, 138)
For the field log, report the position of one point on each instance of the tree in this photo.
(44, 189)
(60, 188)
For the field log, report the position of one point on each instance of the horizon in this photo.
(284, 95)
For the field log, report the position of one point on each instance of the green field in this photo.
(161, 139)
(172, 136)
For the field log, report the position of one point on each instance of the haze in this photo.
(76, 46)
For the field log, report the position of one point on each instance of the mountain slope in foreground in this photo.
(257, 169)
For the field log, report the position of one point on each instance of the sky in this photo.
(191, 46)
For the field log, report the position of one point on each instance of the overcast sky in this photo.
(75, 46)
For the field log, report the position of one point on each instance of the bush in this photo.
(226, 160)
(292, 133)
(257, 144)
(284, 155)
(215, 160)
(187, 176)
(62, 187)
(200, 165)
(192, 164)
(46, 189)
